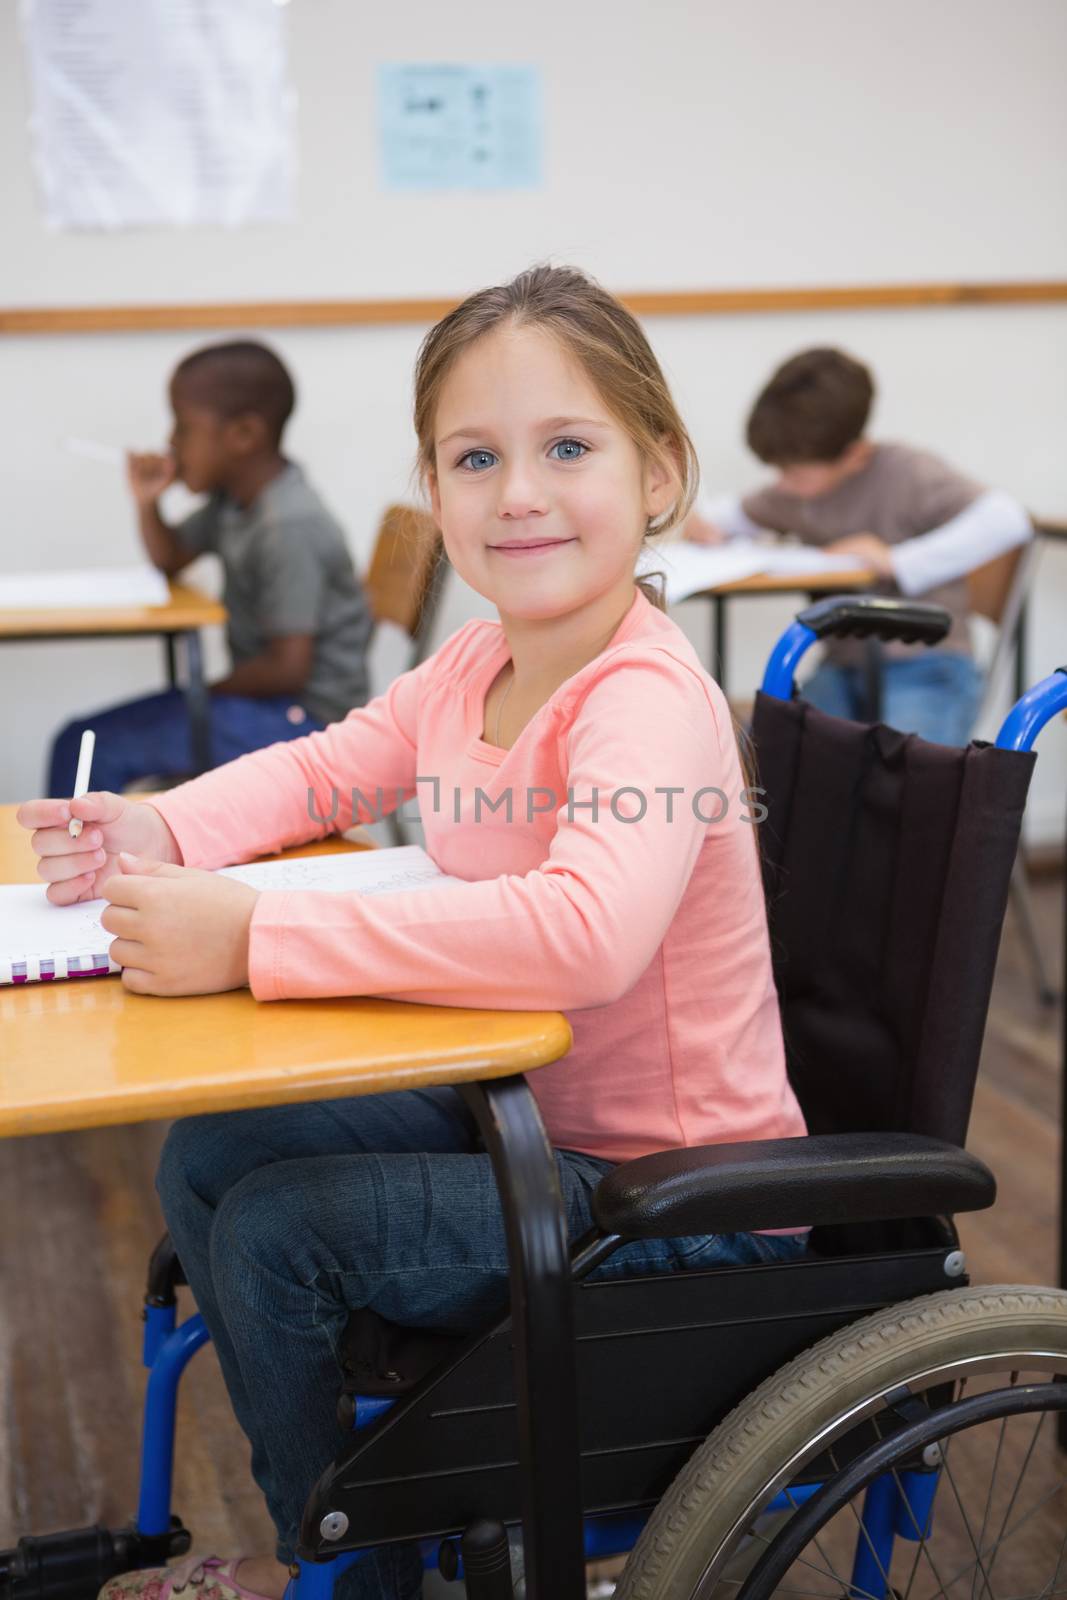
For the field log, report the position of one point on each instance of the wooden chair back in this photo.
(998, 591)
(403, 580)
(989, 587)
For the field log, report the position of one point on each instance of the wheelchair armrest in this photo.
(790, 1183)
(860, 616)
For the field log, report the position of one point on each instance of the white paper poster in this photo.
(160, 112)
(451, 126)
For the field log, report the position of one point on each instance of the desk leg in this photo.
(719, 644)
(1021, 684)
(542, 1316)
(172, 665)
(196, 697)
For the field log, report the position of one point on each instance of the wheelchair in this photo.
(811, 1427)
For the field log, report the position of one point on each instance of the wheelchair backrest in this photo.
(886, 862)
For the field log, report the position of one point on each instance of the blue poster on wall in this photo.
(459, 127)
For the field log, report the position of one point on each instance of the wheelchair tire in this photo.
(698, 1541)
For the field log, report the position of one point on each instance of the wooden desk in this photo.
(851, 580)
(182, 618)
(84, 1053)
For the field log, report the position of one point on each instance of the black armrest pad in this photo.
(788, 1183)
(860, 616)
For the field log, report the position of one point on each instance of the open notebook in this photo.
(40, 941)
(693, 568)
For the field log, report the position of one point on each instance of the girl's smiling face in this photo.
(541, 495)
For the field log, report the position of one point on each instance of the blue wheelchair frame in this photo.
(895, 1506)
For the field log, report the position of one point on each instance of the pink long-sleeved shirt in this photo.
(637, 912)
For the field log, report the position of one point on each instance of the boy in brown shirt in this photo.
(918, 523)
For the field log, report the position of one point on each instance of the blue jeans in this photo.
(937, 695)
(153, 735)
(288, 1218)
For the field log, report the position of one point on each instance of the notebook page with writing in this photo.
(40, 942)
(404, 866)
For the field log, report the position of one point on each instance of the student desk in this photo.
(182, 618)
(83, 1053)
(850, 580)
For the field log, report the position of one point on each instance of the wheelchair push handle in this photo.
(843, 616)
(1028, 716)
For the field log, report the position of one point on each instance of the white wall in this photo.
(779, 146)
(687, 143)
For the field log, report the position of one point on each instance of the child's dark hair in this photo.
(607, 341)
(238, 377)
(813, 408)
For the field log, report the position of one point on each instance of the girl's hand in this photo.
(871, 550)
(76, 869)
(178, 931)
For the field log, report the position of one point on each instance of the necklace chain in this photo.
(500, 707)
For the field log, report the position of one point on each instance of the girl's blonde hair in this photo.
(608, 342)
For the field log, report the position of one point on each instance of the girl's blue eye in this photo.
(568, 450)
(478, 460)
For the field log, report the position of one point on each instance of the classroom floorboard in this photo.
(78, 1218)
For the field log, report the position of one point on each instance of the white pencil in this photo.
(81, 782)
(94, 451)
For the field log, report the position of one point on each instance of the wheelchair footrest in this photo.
(75, 1564)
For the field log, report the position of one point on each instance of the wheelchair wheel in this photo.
(940, 1414)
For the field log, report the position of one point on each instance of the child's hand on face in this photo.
(177, 930)
(148, 475)
(868, 548)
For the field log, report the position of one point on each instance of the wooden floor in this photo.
(78, 1218)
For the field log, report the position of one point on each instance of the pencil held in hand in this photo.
(81, 782)
(93, 450)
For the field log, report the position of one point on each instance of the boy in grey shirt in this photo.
(299, 623)
(913, 519)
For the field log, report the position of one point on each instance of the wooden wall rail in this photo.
(668, 303)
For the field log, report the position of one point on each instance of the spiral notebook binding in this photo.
(45, 969)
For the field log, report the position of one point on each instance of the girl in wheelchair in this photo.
(587, 789)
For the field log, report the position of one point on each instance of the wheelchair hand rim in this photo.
(956, 1417)
(1010, 1358)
